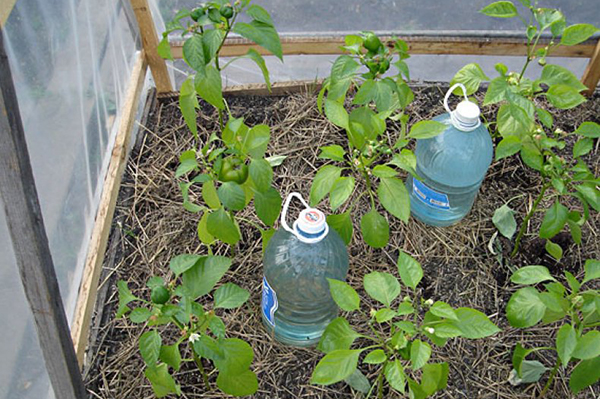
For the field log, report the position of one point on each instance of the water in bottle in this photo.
(451, 166)
(296, 302)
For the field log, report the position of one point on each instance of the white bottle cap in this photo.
(467, 113)
(310, 227)
(311, 221)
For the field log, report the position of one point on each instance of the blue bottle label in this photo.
(430, 197)
(269, 302)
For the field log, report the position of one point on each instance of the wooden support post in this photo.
(591, 76)
(158, 66)
(30, 243)
(110, 190)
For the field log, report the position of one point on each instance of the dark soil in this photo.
(151, 227)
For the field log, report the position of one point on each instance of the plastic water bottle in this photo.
(451, 165)
(296, 302)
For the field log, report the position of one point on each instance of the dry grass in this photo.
(151, 227)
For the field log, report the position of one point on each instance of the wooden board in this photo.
(158, 66)
(104, 216)
(30, 244)
(591, 76)
(324, 45)
(6, 7)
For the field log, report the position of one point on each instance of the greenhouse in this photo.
(299, 199)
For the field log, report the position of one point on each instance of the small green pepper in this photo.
(233, 169)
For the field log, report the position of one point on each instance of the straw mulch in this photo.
(151, 227)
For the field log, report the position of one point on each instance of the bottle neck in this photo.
(462, 125)
(310, 238)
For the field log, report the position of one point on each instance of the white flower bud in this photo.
(194, 337)
(429, 302)
(430, 330)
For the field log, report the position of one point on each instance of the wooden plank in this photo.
(591, 76)
(30, 244)
(277, 88)
(460, 45)
(108, 200)
(158, 66)
(6, 7)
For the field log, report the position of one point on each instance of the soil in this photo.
(151, 226)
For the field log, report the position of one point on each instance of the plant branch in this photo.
(550, 379)
(526, 220)
(198, 362)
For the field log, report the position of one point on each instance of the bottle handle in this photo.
(285, 209)
(449, 92)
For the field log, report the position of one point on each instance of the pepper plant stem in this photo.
(550, 379)
(198, 362)
(527, 217)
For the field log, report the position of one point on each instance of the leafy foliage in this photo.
(402, 341)
(577, 339)
(369, 156)
(527, 130)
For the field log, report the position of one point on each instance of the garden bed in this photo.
(151, 226)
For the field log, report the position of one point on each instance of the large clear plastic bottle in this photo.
(451, 165)
(296, 302)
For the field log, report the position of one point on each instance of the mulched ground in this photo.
(151, 226)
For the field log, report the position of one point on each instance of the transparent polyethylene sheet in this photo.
(71, 62)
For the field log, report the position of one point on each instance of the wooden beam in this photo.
(277, 88)
(460, 45)
(591, 76)
(158, 66)
(30, 244)
(6, 7)
(110, 189)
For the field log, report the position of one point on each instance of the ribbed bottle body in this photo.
(297, 304)
(452, 166)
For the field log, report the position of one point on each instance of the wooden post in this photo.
(157, 65)
(30, 243)
(591, 76)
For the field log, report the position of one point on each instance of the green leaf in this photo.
(170, 354)
(323, 182)
(193, 53)
(585, 374)
(508, 146)
(162, 382)
(435, 377)
(380, 92)
(554, 74)
(394, 375)
(125, 297)
(241, 383)
(235, 357)
(500, 9)
(187, 163)
(394, 197)
(519, 354)
(211, 41)
(220, 225)
(358, 382)
(382, 287)
(504, 220)
(232, 196)
(442, 309)
(405, 308)
(406, 160)
(260, 14)
(210, 88)
(262, 34)
(531, 371)
(342, 224)
(592, 270)
(589, 129)
(566, 341)
(496, 91)
(333, 152)
(420, 352)
(577, 33)
(410, 270)
(471, 75)
(384, 171)
(582, 147)
(375, 229)
(230, 296)
(344, 295)
(337, 335)
(268, 205)
(261, 174)
(256, 142)
(181, 263)
(591, 194)
(140, 315)
(384, 315)
(532, 157)
(564, 97)
(188, 102)
(204, 275)
(545, 117)
(525, 308)
(203, 235)
(473, 324)
(164, 49)
(513, 121)
(340, 191)
(266, 236)
(529, 275)
(554, 220)
(336, 113)
(376, 356)
(150, 343)
(275, 160)
(364, 124)
(210, 196)
(554, 250)
(216, 326)
(335, 367)
(426, 129)
(548, 17)
(588, 346)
